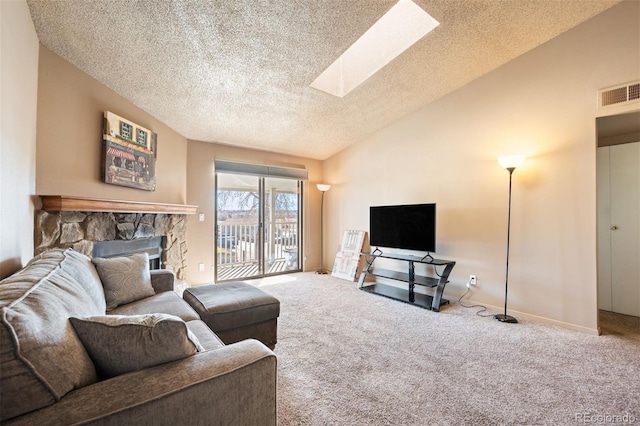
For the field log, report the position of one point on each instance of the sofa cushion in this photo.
(125, 279)
(119, 344)
(208, 339)
(41, 357)
(82, 269)
(168, 302)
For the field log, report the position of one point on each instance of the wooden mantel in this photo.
(61, 203)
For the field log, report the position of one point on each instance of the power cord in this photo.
(480, 312)
(439, 275)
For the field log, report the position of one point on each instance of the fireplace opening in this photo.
(115, 248)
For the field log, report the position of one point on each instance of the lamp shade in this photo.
(323, 187)
(511, 161)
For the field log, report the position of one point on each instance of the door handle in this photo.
(614, 227)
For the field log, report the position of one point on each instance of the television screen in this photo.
(410, 227)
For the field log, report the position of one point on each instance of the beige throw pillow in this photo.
(125, 279)
(118, 344)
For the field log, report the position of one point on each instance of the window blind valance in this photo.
(225, 166)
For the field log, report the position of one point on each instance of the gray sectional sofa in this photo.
(56, 363)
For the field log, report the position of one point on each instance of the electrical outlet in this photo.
(201, 266)
(472, 280)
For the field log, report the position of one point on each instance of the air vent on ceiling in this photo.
(618, 95)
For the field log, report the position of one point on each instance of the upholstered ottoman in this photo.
(236, 311)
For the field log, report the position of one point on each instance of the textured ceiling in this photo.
(238, 72)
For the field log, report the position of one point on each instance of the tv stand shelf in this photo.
(408, 296)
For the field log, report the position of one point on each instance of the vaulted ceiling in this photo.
(238, 71)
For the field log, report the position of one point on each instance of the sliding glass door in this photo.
(258, 226)
(282, 224)
(238, 219)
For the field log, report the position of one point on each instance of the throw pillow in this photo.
(118, 344)
(125, 279)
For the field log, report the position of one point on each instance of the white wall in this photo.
(19, 70)
(543, 104)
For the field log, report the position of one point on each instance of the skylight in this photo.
(398, 29)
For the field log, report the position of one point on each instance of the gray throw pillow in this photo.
(125, 279)
(118, 344)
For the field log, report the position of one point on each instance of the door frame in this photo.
(261, 232)
(603, 113)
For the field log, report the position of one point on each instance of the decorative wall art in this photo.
(129, 153)
(347, 259)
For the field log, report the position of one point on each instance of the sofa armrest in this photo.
(233, 385)
(162, 280)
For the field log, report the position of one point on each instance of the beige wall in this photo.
(69, 138)
(201, 192)
(19, 71)
(543, 105)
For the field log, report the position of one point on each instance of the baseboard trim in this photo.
(544, 320)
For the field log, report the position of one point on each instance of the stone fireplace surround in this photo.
(71, 222)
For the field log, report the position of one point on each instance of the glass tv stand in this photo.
(409, 295)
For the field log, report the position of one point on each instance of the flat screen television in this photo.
(409, 227)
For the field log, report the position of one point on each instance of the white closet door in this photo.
(619, 228)
(624, 172)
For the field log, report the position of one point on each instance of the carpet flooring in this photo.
(346, 357)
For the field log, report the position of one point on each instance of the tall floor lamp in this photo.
(323, 188)
(510, 163)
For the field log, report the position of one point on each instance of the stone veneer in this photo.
(80, 230)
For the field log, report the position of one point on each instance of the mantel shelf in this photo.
(61, 203)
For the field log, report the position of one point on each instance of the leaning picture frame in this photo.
(347, 258)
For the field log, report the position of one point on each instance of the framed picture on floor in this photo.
(347, 259)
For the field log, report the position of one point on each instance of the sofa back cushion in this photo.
(82, 269)
(41, 357)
